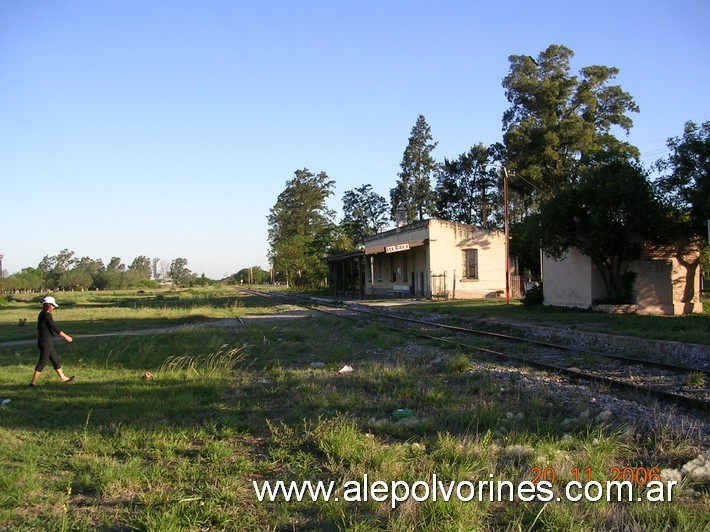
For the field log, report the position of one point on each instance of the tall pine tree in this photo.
(413, 189)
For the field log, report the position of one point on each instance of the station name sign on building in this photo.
(396, 248)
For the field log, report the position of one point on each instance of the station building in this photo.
(424, 259)
(667, 281)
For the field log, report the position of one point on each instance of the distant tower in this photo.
(400, 216)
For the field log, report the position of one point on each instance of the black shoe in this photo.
(68, 380)
(33, 385)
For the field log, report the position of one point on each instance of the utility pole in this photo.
(507, 235)
(507, 232)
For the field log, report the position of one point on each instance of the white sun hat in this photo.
(49, 300)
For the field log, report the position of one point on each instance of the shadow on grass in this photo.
(439, 402)
(143, 404)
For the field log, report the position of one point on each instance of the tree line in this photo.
(572, 181)
(65, 271)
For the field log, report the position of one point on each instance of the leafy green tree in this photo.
(296, 222)
(609, 215)
(413, 189)
(364, 214)
(91, 266)
(202, 280)
(88, 272)
(256, 274)
(466, 189)
(113, 277)
(301, 209)
(76, 279)
(53, 267)
(686, 186)
(139, 272)
(101, 280)
(290, 258)
(705, 259)
(179, 272)
(334, 239)
(26, 279)
(557, 119)
(340, 242)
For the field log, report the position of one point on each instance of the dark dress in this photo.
(46, 329)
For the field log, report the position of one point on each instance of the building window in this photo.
(470, 264)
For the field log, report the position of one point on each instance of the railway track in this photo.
(644, 378)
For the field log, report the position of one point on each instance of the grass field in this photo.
(231, 405)
(89, 312)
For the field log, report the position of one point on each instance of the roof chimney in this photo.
(400, 216)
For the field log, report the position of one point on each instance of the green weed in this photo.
(695, 379)
(218, 363)
(458, 363)
(115, 451)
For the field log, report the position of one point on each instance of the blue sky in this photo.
(168, 128)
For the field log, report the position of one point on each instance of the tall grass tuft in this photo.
(208, 365)
(459, 363)
(695, 379)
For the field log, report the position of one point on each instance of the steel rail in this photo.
(501, 336)
(631, 360)
(574, 373)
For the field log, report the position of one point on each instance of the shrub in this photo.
(533, 295)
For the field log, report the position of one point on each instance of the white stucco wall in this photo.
(437, 248)
(568, 281)
(662, 286)
(448, 240)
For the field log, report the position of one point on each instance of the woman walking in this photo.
(46, 329)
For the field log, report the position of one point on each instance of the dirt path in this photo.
(227, 322)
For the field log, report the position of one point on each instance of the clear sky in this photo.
(168, 128)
